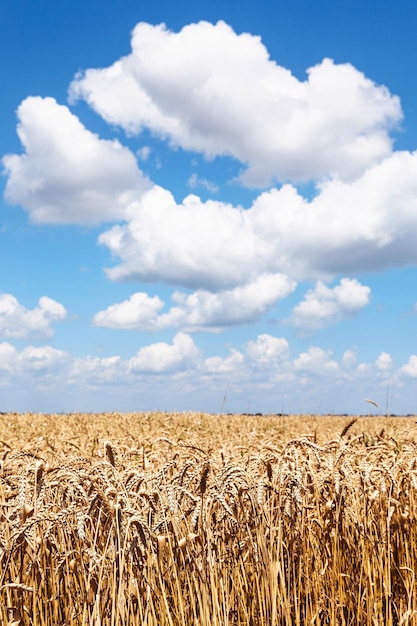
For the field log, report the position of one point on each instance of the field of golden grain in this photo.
(195, 520)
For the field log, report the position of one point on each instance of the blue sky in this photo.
(208, 206)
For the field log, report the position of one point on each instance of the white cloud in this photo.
(349, 359)
(384, 362)
(32, 361)
(244, 304)
(139, 311)
(201, 310)
(45, 365)
(324, 305)
(409, 369)
(225, 365)
(162, 357)
(67, 174)
(42, 359)
(211, 90)
(18, 322)
(370, 224)
(268, 350)
(365, 225)
(7, 356)
(98, 371)
(198, 245)
(317, 362)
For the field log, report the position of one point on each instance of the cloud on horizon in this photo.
(265, 363)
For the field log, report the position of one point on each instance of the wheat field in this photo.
(195, 520)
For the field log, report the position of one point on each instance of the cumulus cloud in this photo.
(7, 356)
(349, 359)
(316, 361)
(324, 305)
(384, 362)
(201, 310)
(210, 90)
(207, 245)
(34, 361)
(67, 174)
(230, 364)
(267, 360)
(18, 322)
(163, 357)
(268, 350)
(45, 364)
(365, 225)
(409, 369)
(41, 359)
(370, 224)
(140, 311)
(243, 304)
(46, 368)
(314, 375)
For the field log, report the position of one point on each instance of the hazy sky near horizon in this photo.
(208, 206)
